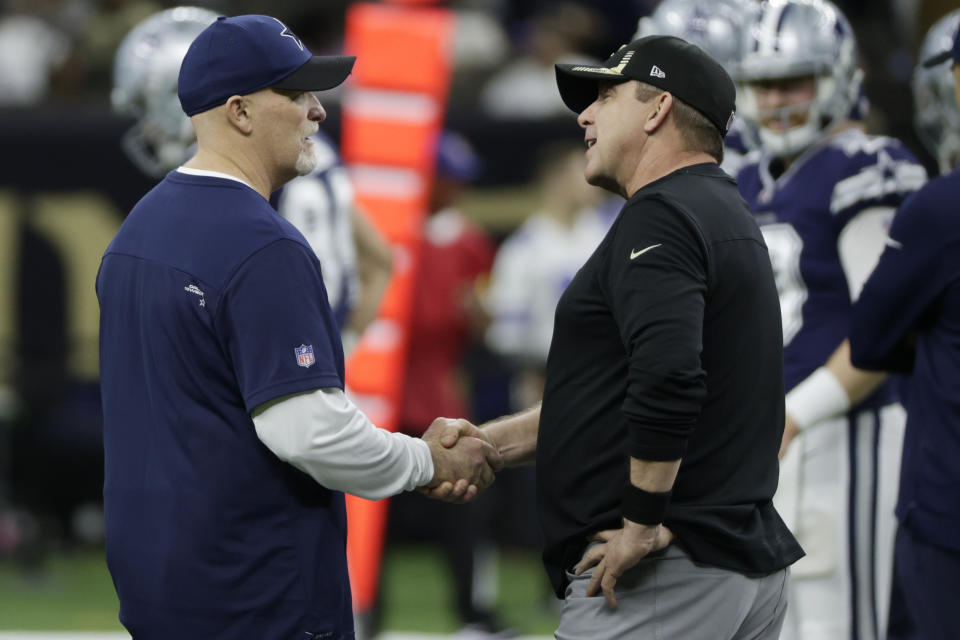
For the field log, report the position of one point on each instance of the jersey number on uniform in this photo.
(785, 245)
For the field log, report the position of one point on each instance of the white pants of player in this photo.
(837, 493)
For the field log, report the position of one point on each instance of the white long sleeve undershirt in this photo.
(325, 435)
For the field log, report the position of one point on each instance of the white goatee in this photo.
(307, 160)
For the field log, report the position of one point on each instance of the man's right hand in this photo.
(464, 460)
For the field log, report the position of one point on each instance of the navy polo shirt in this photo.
(212, 304)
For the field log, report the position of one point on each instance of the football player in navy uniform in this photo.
(355, 258)
(907, 320)
(823, 192)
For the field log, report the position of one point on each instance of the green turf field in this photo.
(74, 593)
(71, 592)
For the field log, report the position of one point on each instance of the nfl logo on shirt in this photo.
(304, 355)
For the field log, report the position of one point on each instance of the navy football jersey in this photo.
(823, 221)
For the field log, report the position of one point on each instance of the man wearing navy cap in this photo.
(907, 320)
(228, 439)
(656, 442)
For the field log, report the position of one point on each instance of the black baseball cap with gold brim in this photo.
(666, 62)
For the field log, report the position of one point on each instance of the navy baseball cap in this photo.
(666, 62)
(244, 54)
(943, 56)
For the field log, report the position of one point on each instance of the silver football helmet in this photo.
(936, 116)
(791, 39)
(145, 71)
(716, 26)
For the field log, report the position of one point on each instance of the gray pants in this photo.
(668, 597)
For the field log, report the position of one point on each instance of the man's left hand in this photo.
(621, 549)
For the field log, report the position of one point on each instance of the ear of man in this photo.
(238, 111)
(658, 115)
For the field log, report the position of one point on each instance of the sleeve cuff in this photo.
(820, 397)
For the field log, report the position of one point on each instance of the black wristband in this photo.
(645, 507)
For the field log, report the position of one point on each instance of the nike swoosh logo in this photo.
(635, 253)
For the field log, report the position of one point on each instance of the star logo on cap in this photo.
(286, 33)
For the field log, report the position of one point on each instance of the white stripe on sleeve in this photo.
(860, 244)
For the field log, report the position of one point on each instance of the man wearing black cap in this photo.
(656, 442)
(228, 439)
(907, 320)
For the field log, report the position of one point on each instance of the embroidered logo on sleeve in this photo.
(635, 254)
(304, 355)
(195, 290)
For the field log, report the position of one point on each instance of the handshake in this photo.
(465, 460)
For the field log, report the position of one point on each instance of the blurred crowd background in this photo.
(66, 184)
